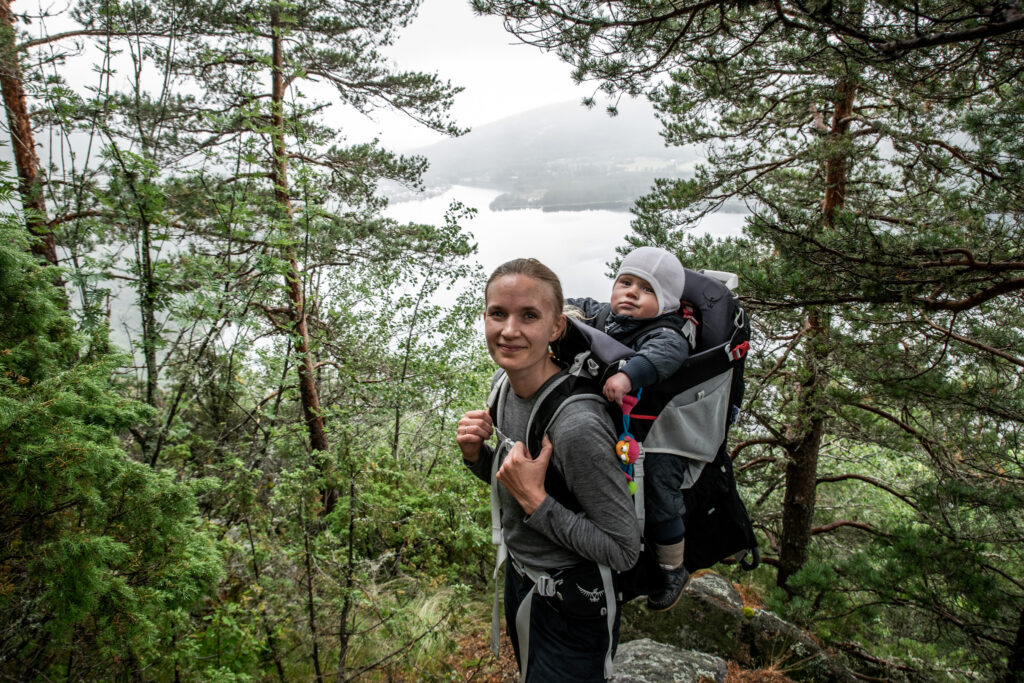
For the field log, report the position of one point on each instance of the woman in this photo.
(547, 537)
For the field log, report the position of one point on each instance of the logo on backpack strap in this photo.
(594, 596)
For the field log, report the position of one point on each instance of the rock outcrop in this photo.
(711, 618)
(645, 661)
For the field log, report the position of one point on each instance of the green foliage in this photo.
(430, 526)
(103, 556)
(224, 231)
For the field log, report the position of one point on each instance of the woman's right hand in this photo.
(474, 428)
(523, 475)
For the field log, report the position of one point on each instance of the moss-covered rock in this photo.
(647, 661)
(712, 618)
(709, 618)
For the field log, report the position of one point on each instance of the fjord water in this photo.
(575, 244)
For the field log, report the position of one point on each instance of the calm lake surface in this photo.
(575, 244)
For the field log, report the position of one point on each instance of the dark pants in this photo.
(561, 649)
(663, 497)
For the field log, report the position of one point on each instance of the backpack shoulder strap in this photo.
(556, 396)
(565, 390)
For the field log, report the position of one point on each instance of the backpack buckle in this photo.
(583, 363)
(738, 351)
(546, 586)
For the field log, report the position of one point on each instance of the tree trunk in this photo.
(806, 433)
(405, 371)
(147, 295)
(310, 602)
(23, 142)
(804, 444)
(1015, 662)
(308, 391)
(344, 632)
(836, 167)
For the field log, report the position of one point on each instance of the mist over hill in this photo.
(561, 157)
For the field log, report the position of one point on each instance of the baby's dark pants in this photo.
(663, 497)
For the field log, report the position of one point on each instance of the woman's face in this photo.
(519, 322)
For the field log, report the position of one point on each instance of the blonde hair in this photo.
(576, 313)
(530, 267)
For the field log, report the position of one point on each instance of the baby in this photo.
(642, 314)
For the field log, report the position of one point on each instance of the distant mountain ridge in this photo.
(561, 157)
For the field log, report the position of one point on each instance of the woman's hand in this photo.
(474, 428)
(523, 476)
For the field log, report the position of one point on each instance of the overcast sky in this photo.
(501, 77)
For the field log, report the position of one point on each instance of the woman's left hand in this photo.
(523, 476)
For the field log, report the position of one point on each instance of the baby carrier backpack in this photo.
(688, 415)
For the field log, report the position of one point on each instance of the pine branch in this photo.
(921, 438)
(753, 442)
(846, 522)
(1011, 20)
(83, 33)
(870, 480)
(976, 344)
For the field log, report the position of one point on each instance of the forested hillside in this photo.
(562, 157)
(259, 481)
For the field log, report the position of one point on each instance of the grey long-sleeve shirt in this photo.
(606, 530)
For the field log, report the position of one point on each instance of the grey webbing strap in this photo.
(638, 477)
(502, 553)
(523, 632)
(543, 585)
(496, 398)
(609, 599)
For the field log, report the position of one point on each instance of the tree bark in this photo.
(1015, 662)
(405, 371)
(836, 167)
(308, 392)
(803, 447)
(804, 440)
(344, 632)
(310, 601)
(23, 142)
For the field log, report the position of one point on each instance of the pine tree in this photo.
(103, 559)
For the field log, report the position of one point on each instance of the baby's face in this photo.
(634, 297)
